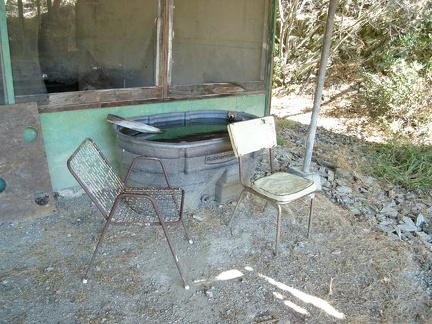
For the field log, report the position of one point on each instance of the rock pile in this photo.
(399, 213)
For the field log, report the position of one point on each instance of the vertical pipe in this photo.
(6, 63)
(271, 40)
(320, 85)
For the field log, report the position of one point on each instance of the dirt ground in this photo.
(344, 273)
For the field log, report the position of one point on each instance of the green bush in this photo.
(403, 93)
(406, 165)
(398, 91)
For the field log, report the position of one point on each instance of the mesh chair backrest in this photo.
(252, 135)
(95, 175)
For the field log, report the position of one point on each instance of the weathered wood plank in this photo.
(80, 100)
(94, 98)
(23, 165)
(133, 124)
(101, 96)
(215, 89)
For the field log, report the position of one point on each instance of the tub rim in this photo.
(151, 120)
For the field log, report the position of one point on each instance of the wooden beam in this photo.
(23, 165)
(179, 96)
(97, 97)
(6, 64)
(166, 45)
(269, 74)
(215, 89)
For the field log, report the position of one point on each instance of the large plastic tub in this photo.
(196, 150)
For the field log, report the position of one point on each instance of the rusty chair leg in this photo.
(99, 244)
(310, 214)
(187, 232)
(176, 260)
(237, 206)
(171, 247)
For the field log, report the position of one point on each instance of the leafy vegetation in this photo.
(406, 165)
(281, 125)
(399, 91)
(383, 50)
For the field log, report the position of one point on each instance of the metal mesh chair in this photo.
(122, 205)
(277, 188)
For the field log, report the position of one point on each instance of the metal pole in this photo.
(320, 85)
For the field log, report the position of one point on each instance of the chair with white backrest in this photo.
(278, 188)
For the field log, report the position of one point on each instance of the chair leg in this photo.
(310, 216)
(186, 231)
(265, 206)
(101, 239)
(278, 226)
(165, 230)
(236, 207)
(180, 208)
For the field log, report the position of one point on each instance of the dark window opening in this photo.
(71, 45)
(153, 48)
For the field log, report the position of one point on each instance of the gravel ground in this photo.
(346, 272)
(343, 273)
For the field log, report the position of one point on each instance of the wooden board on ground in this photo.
(25, 185)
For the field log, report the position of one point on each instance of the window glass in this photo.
(71, 45)
(217, 41)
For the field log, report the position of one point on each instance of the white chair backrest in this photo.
(252, 135)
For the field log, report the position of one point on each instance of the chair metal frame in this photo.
(257, 135)
(123, 205)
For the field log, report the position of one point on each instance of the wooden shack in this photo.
(79, 60)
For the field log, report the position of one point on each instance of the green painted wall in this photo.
(64, 131)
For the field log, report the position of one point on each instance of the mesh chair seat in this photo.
(284, 187)
(139, 211)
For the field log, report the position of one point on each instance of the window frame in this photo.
(163, 90)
